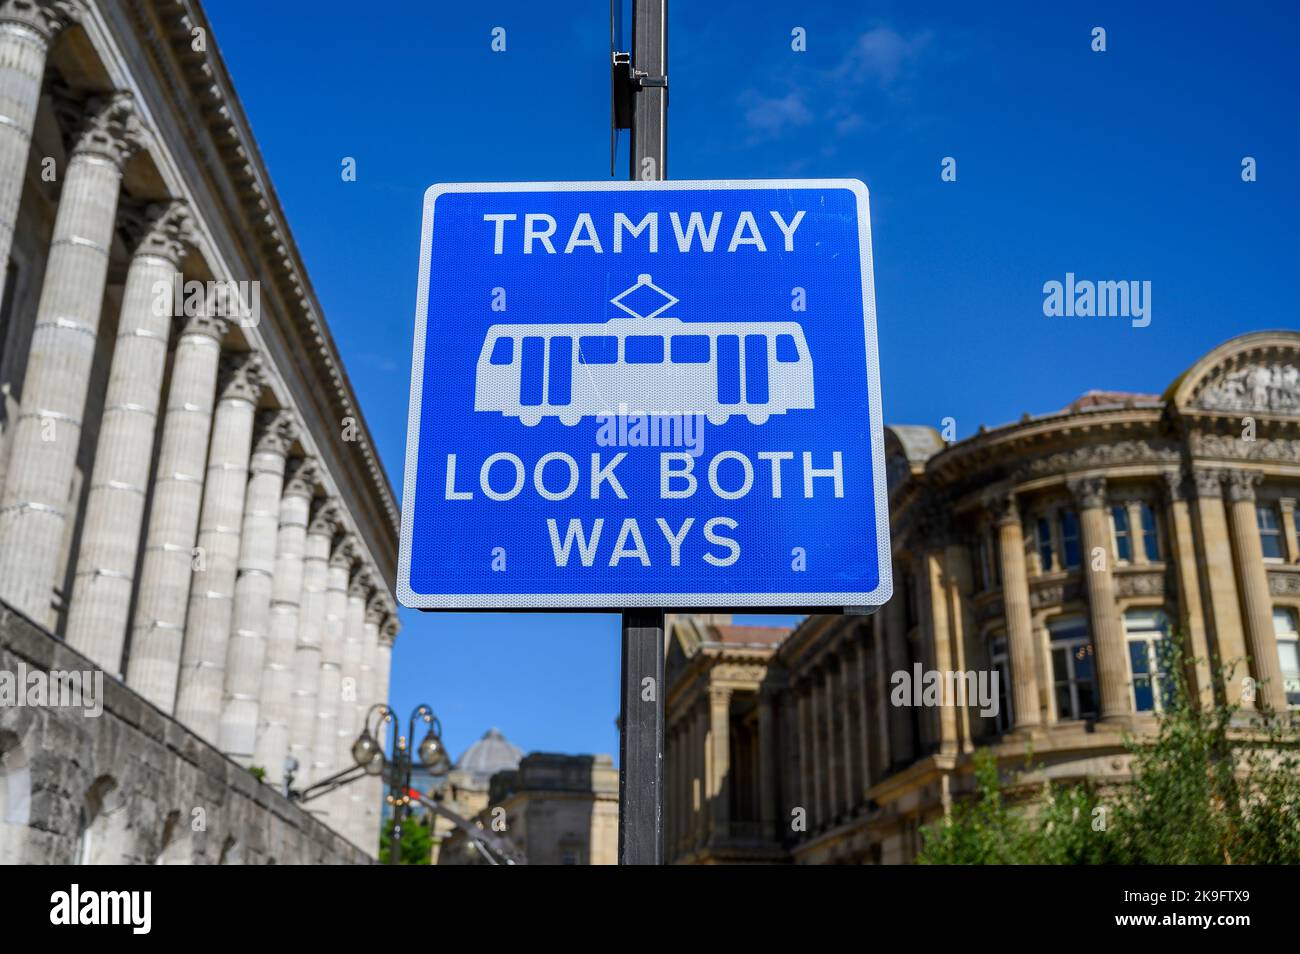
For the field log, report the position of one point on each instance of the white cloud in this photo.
(770, 116)
(881, 55)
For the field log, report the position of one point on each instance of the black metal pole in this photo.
(649, 152)
(641, 724)
(641, 740)
(395, 845)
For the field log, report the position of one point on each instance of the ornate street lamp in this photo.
(368, 754)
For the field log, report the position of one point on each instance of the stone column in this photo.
(851, 787)
(1015, 600)
(862, 679)
(805, 751)
(933, 580)
(767, 765)
(884, 758)
(376, 610)
(349, 722)
(272, 743)
(36, 502)
(894, 658)
(720, 770)
(169, 557)
(696, 717)
(212, 591)
(307, 649)
(254, 586)
(1183, 557)
(833, 748)
(26, 29)
(383, 665)
(110, 539)
(816, 717)
(329, 691)
(1218, 581)
(959, 583)
(1252, 579)
(1110, 648)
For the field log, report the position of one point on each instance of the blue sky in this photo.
(1122, 165)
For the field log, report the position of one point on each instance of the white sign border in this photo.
(615, 601)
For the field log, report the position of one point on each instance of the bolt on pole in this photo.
(641, 725)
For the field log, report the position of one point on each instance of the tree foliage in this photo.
(417, 841)
(1214, 785)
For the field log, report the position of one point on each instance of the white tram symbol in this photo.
(654, 365)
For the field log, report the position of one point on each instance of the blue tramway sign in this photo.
(645, 394)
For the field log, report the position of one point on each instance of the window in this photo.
(503, 352)
(1150, 537)
(1071, 552)
(1288, 652)
(643, 349)
(598, 349)
(1147, 631)
(1000, 661)
(1045, 544)
(1123, 538)
(691, 349)
(1270, 533)
(1073, 674)
(787, 350)
(982, 563)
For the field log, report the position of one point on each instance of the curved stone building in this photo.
(191, 499)
(1057, 552)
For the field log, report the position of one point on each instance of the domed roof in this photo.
(491, 754)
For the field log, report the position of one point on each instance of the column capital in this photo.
(1209, 481)
(275, 431)
(389, 630)
(1089, 492)
(379, 607)
(1002, 504)
(301, 478)
(105, 126)
(1242, 484)
(362, 584)
(1176, 484)
(209, 325)
(326, 519)
(346, 553)
(46, 18)
(163, 229)
(1287, 504)
(241, 377)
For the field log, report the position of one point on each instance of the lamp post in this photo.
(369, 754)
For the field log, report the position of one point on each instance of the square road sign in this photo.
(645, 394)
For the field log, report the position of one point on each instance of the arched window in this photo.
(15, 798)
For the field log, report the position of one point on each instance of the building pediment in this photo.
(1252, 374)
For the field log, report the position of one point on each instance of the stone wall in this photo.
(132, 785)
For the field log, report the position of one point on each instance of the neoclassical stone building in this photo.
(1057, 551)
(190, 496)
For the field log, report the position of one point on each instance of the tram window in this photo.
(598, 349)
(644, 349)
(690, 349)
(503, 352)
(786, 349)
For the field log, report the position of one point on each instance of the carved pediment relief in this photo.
(1269, 387)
